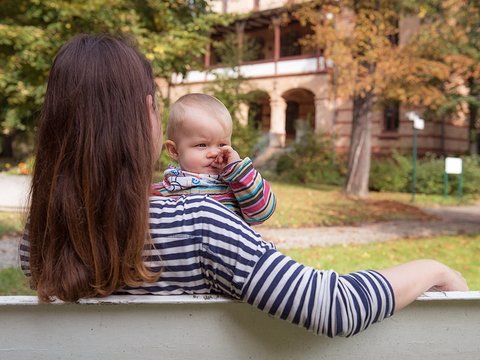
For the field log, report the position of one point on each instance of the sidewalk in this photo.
(13, 192)
(449, 221)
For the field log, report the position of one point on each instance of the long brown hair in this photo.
(88, 219)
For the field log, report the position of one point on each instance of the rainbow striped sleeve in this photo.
(253, 193)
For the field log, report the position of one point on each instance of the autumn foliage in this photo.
(434, 64)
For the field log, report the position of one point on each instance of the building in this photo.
(295, 82)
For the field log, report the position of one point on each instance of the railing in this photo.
(259, 69)
(437, 326)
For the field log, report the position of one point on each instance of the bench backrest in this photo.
(437, 326)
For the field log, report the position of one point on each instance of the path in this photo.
(449, 221)
(13, 192)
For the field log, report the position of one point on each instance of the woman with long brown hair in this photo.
(93, 230)
(88, 218)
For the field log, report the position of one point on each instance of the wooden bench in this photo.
(437, 326)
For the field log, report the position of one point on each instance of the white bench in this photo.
(437, 326)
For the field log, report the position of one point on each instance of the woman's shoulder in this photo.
(199, 214)
(193, 201)
(190, 206)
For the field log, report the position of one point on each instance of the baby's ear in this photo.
(171, 149)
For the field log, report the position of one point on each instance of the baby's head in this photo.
(198, 126)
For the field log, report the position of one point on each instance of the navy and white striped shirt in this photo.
(201, 247)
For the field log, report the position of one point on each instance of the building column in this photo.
(240, 29)
(207, 57)
(323, 115)
(243, 114)
(278, 107)
(276, 43)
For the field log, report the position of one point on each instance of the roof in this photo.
(258, 19)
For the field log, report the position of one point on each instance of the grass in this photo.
(459, 252)
(308, 206)
(10, 223)
(425, 200)
(13, 282)
(302, 206)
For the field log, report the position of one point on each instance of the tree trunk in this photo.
(360, 147)
(7, 146)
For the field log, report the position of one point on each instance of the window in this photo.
(255, 115)
(292, 114)
(257, 48)
(290, 45)
(391, 116)
(394, 37)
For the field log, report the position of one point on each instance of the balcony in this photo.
(283, 67)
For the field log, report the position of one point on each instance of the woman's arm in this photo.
(242, 265)
(412, 279)
(237, 262)
(321, 301)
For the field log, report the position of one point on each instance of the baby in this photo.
(199, 135)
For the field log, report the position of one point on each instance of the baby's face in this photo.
(200, 139)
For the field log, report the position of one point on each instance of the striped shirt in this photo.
(201, 247)
(240, 188)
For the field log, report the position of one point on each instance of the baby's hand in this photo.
(226, 156)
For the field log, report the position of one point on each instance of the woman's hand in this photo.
(412, 279)
(453, 281)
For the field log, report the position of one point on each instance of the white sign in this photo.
(412, 115)
(453, 165)
(419, 124)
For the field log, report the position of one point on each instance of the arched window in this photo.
(292, 114)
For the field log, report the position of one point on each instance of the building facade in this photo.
(293, 82)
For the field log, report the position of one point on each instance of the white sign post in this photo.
(453, 165)
(418, 124)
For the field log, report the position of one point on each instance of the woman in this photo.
(94, 231)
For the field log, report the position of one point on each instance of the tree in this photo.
(370, 66)
(456, 43)
(172, 34)
(230, 87)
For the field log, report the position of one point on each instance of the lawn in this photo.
(308, 206)
(10, 223)
(424, 199)
(459, 252)
(303, 206)
(13, 282)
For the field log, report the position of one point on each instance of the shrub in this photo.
(471, 176)
(430, 170)
(395, 174)
(244, 138)
(392, 174)
(310, 161)
(227, 90)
